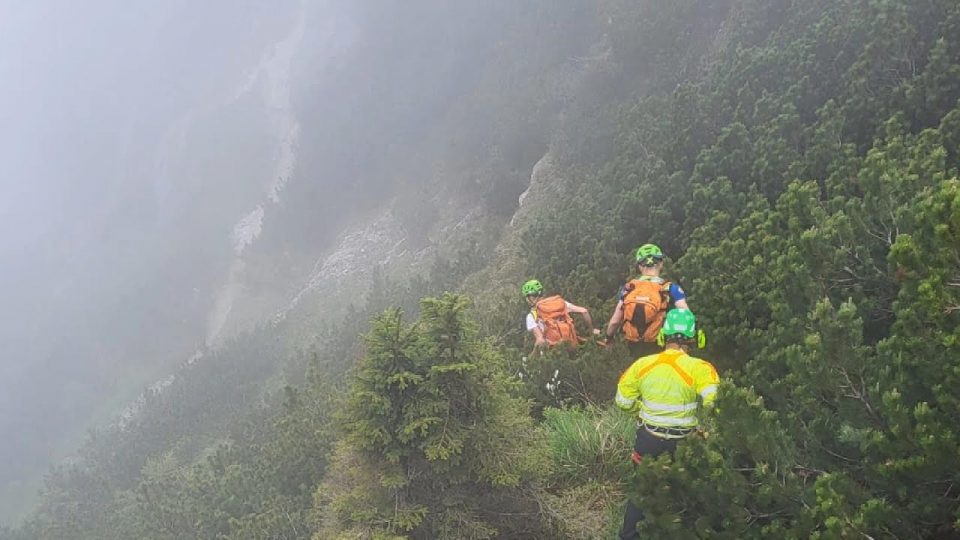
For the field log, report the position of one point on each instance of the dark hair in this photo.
(679, 338)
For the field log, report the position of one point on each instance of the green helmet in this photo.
(680, 322)
(680, 325)
(649, 255)
(531, 287)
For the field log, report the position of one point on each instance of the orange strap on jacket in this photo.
(669, 360)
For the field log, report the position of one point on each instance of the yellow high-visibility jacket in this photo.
(663, 388)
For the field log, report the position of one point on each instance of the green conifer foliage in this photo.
(433, 441)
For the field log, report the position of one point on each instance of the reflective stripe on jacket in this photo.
(664, 388)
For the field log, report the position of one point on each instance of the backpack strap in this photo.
(665, 291)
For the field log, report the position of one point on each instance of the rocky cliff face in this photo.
(270, 84)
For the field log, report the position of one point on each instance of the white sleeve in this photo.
(568, 304)
(531, 322)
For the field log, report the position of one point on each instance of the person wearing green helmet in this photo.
(664, 391)
(643, 302)
(549, 318)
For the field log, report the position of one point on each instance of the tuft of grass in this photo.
(592, 511)
(589, 443)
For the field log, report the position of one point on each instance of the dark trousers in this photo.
(642, 348)
(646, 446)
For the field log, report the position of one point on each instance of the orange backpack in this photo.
(557, 324)
(644, 308)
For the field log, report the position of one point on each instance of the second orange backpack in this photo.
(557, 323)
(644, 307)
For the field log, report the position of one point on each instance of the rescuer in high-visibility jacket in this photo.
(665, 390)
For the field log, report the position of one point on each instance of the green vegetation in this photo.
(432, 440)
(798, 161)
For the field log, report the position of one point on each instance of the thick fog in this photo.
(172, 174)
(133, 138)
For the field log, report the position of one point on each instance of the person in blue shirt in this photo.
(643, 302)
